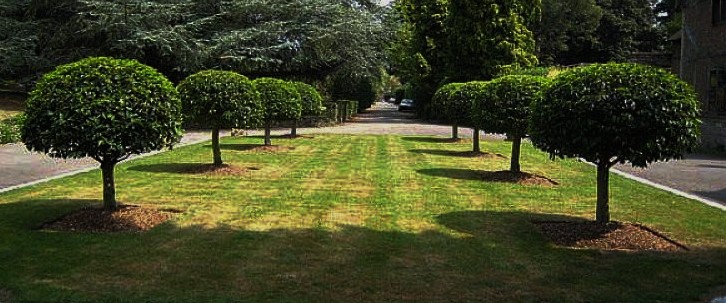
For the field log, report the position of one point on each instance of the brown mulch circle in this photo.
(610, 236)
(128, 218)
(221, 170)
(473, 154)
(521, 178)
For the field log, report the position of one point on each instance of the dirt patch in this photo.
(218, 170)
(614, 235)
(128, 218)
(521, 178)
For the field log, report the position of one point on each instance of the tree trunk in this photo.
(475, 137)
(215, 147)
(602, 215)
(293, 132)
(109, 186)
(514, 161)
(455, 131)
(268, 142)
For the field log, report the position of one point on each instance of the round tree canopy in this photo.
(506, 107)
(616, 113)
(469, 94)
(279, 98)
(104, 108)
(221, 99)
(446, 106)
(312, 102)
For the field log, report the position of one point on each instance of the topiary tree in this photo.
(220, 99)
(311, 102)
(280, 100)
(616, 113)
(104, 108)
(469, 93)
(506, 109)
(446, 107)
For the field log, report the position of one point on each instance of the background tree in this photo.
(281, 102)
(417, 52)
(566, 30)
(505, 109)
(310, 100)
(490, 35)
(303, 38)
(616, 113)
(626, 26)
(103, 108)
(220, 99)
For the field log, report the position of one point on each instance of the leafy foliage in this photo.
(10, 129)
(491, 35)
(280, 99)
(221, 99)
(447, 104)
(102, 108)
(566, 29)
(616, 113)
(505, 109)
(311, 101)
(362, 88)
(181, 37)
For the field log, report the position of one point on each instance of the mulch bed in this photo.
(611, 236)
(222, 170)
(521, 178)
(128, 218)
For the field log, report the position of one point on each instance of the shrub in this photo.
(506, 109)
(103, 108)
(280, 100)
(616, 113)
(471, 92)
(220, 99)
(10, 129)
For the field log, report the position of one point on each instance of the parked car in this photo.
(406, 104)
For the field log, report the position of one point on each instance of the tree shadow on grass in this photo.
(434, 139)
(457, 153)
(193, 168)
(237, 146)
(470, 256)
(503, 176)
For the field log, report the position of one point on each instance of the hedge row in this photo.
(10, 129)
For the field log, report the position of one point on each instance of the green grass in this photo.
(352, 219)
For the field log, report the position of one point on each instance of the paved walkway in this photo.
(700, 175)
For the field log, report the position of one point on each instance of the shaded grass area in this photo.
(10, 106)
(352, 219)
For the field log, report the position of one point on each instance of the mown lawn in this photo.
(352, 219)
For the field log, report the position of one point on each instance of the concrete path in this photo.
(699, 175)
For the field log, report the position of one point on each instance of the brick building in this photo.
(703, 63)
